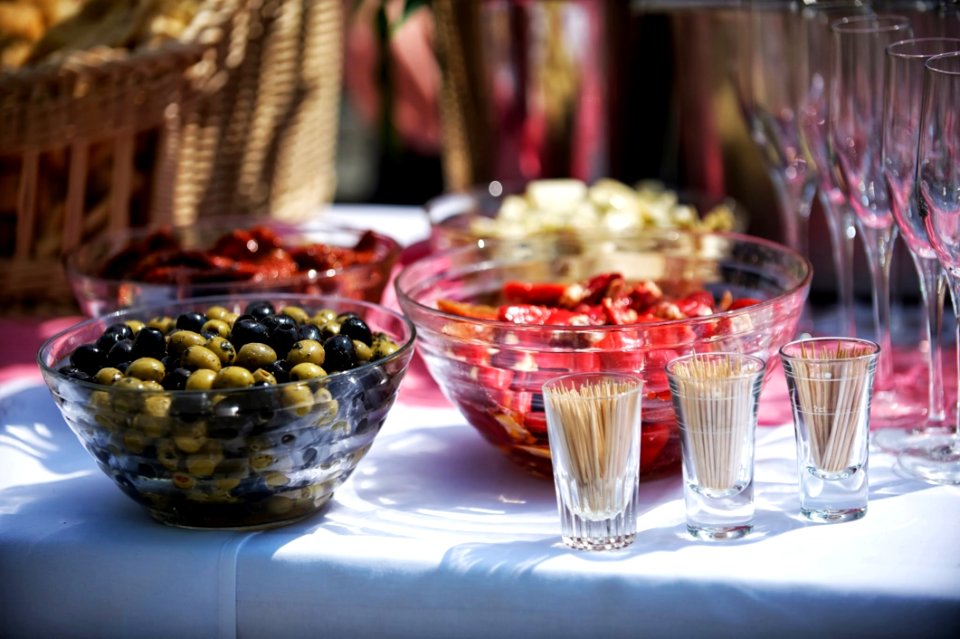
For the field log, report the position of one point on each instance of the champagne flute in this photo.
(938, 192)
(901, 130)
(817, 41)
(773, 68)
(855, 133)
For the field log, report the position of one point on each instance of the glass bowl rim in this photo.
(122, 236)
(404, 297)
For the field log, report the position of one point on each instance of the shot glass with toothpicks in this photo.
(593, 425)
(830, 380)
(715, 397)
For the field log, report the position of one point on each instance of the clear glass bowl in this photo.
(493, 371)
(253, 457)
(98, 295)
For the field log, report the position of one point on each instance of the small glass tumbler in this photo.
(593, 424)
(715, 396)
(830, 380)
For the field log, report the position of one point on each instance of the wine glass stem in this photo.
(878, 243)
(841, 222)
(933, 286)
(795, 197)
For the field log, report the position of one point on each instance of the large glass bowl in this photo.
(98, 294)
(241, 458)
(493, 370)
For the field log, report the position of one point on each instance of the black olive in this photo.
(247, 330)
(175, 379)
(120, 353)
(346, 315)
(147, 470)
(282, 338)
(280, 319)
(149, 342)
(120, 329)
(378, 388)
(74, 372)
(106, 341)
(280, 369)
(309, 331)
(191, 321)
(356, 328)
(190, 407)
(87, 358)
(340, 354)
(260, 309)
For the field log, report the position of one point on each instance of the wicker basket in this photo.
(237, 117)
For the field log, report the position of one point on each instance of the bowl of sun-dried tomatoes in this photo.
(229, 256)
(498, 319)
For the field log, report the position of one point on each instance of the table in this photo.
(438, 535)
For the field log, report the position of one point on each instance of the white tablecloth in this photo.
(438, 535)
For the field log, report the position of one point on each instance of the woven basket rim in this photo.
(107, 60)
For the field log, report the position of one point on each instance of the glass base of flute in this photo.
(937, 462)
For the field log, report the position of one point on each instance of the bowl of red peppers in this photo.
(498, 319)
(229, 256)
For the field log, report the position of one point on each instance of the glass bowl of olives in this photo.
(229, 256)
(237, 412)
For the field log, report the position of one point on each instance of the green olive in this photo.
(164, 324)
(276, 479)
(191, 437)
(200, 379)
(323, 316)
(204, 462)
(306, 350)
(261, 461)
(153, 426)
(147, 369)
(167, 454)
(297, 397)
(215, 327)
(223, 349)
(364, 352)
(233, 377)
(383, 346)
(183, 481)
(150, 385)
(218, 313)
(298, 314)
(197, 357)
(124, 400)
(135, 326)
(329, 329)
(255, 355)
(305, 371)
(156, 405)
(181, 340)
(261, 375)
(108, 376)
(134, 441)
